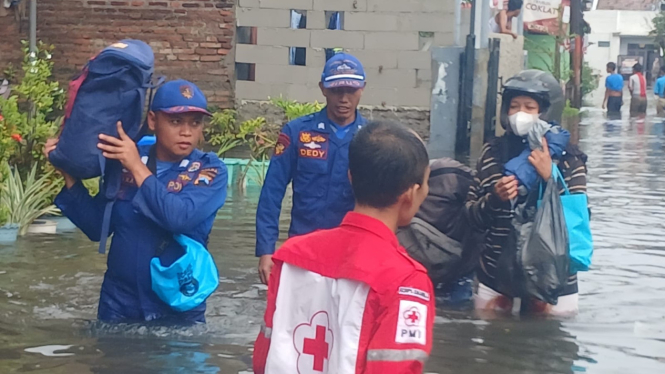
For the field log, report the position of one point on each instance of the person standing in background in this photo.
(312, 153)
(637, 85)
(659, 90)
(613, 91)
(502, 23)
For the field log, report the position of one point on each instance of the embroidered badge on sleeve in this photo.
(283, 142)
(411, 323)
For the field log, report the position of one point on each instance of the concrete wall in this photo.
(628, 4)
(392, 38)
(511, 62)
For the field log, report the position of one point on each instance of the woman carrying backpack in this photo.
(168, 191)
(506, 176)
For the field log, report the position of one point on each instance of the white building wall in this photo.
(618, 27)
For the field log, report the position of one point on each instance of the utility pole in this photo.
(33, 26)
(577, 30)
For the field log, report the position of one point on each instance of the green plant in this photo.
(92, 185)
(569, 111)
(225, 132)
(658, 30)
(10, 72)
(31, 113)
(293, 109)
(589, 80)
(26, 200)
(4, 216)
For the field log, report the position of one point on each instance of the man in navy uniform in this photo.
(169, 188)
(312, 153)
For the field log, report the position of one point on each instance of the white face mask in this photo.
(522, 122)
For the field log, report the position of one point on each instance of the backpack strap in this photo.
(108, 209)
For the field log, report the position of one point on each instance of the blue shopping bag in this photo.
(576, 213)
(189, 280)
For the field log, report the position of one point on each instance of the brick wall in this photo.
(392, 38)
(191, 39)
(628, 4)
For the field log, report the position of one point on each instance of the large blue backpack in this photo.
(112, 87)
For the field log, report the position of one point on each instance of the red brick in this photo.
(81, 28)
(184, 51)
(205, 51)
(211, 58)
(188, 57)
(211, 45)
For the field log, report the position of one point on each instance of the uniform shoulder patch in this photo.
(283, 142)
(410, 291)
(411, 323)
(206, 176)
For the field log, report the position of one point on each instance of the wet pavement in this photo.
(49, 287)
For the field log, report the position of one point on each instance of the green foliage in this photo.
(225, 132)
(26, 200)
(658, 30)
(569, 111)
(31, 112)
(258, 134)
(92, 185)
(589, 80)
(4, 215)
(10, 72)
(293, 109)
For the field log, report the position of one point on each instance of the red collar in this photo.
(372, 225)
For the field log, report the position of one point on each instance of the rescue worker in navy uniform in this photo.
(181, 197)
(312, 152)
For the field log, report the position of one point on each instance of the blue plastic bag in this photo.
(189, 280)
(576, 213)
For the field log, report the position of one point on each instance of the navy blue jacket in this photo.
(309, 154)
(183, 200)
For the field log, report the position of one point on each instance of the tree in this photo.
(658, 31)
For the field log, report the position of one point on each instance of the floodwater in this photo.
(49, 288)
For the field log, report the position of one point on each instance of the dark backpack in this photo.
(111, 87)
(439, 236)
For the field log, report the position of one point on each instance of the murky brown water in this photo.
(49, 288)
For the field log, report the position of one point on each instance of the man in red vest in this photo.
(350, 299)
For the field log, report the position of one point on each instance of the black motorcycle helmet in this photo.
(539, 85)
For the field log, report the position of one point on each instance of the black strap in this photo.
(152, 160)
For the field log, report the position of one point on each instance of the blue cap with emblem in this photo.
(179, 96)
(343, 70)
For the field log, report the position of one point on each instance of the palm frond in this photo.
(26, 200)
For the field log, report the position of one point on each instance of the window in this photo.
(604, 44)
(245, 71)
(334, 21)
(245, 35)
(298, 55)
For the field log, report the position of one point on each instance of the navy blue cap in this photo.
(179, 96)
(343, 70)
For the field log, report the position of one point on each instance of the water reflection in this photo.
(49, 287)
